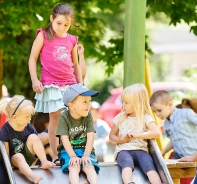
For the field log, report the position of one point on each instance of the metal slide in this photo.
(5, 164)
(109, 173)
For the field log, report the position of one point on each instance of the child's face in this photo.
(23, 118)
(80, 106)
(128, 108)
(161, 110)
(61, 24)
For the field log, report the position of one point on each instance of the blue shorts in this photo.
(65, 159)
(127, 158)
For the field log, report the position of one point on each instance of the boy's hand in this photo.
(124, 139)
(187, 159)
(74, 160)
(86, 160)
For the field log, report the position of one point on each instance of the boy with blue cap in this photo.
(76, 132)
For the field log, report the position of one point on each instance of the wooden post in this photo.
(134, 42)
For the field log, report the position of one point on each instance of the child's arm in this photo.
(67, 146)
(82, 62)
(153, 132)
(192, 158)
(167, 148)
(89, 144)
(88, 149)
(113, 136)
(77, 70)
(7, 148)
(35, 51)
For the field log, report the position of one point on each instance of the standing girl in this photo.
(132, 127)
(60, 68)
(20, 138)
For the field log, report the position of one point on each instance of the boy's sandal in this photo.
(57, 162)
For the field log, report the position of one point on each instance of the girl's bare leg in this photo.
(35, 146)
(91, 174)
(19, 161)
(53, 140)
(74, 174)
(154, 177)
(44, 137)
(48, 151)
(127, 175)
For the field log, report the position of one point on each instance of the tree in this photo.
(176, 11)
(20, 20)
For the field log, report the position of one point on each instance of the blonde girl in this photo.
(132, 127)
(20, 138)
(58, 56)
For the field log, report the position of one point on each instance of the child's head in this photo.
(190, 103)
(40, 121)
(161, 103)
(77, 98)
(95, 106)
(61, 18)
(136, 102)
(17, 107)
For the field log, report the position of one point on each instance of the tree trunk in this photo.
(1, 71)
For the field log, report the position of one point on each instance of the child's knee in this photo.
(33, 138)
(18, 157)
(75, 169)
(88, 168)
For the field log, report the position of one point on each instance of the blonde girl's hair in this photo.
(16, 106)
(136, 94)
(60, 9)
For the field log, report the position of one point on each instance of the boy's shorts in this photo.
(65, 159)
(29, 157)
(127, 158)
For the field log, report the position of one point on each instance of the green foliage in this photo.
(104, 88)
(19, 22)
(191, 74)
(176, 11)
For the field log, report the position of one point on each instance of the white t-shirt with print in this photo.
(130, 125)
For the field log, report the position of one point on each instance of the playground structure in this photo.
(136, 70)
(109, 173)
(170, 171)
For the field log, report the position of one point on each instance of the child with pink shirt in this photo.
(60, 68)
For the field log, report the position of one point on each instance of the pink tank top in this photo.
(56, 60)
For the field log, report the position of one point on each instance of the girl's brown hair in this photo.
(188, 103)
(60, 9)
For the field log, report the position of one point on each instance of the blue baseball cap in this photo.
(75, 90)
